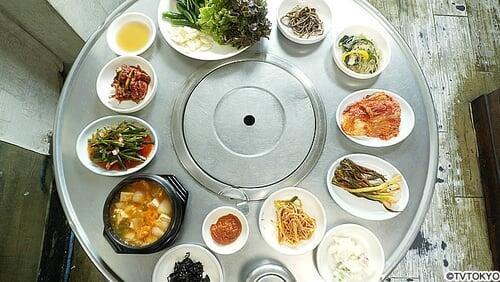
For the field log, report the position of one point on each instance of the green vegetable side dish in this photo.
(187, 13)
(120, 147)
(367, 183)
(239, 23)
(359, 54)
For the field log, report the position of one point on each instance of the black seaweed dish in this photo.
(178, 195)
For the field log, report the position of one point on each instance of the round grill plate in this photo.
(251, 124)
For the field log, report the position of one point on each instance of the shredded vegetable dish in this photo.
(303, 21)
(359, 54)
(141, 213)
(292, 222)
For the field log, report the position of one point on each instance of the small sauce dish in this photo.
(212, 218)
(131, 34)
(322, 9)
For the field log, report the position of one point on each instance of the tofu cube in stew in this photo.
(138, 197)
(126, 196)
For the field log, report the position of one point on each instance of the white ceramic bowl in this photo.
(217, 52)
(267, 220)
(105, 79)
(324, 13)
(378, 39)
(361, 207)
(405, 127)
(166, 263)
(211, 218)
(115, 26)
(81, 144)
(362, 236)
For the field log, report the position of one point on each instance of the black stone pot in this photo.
(178, 195)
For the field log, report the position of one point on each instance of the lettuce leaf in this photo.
(239, 23)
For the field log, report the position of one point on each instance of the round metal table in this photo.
(172, 111)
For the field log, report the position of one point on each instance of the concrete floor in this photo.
(23, 206)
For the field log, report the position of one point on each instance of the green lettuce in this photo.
(239, 23)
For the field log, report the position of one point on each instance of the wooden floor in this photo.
(456, 44)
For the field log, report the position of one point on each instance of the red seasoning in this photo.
(226, 230)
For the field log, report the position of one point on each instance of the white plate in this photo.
(378, 39)
(211, 218)
(105, 79)
(81, 144)
(362, 236)
(115, 26)
(166, 263)
(324, 13)
(267, 220)
(405, 128)
(217, 52)
(362, 207)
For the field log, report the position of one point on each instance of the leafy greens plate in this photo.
(216, 52)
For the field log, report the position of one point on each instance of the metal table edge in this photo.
(425, 202)
(403, 247)
(75, 225)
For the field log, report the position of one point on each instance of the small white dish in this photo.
(378, 39)
(322, 9)
(82, 141)
(166, 263)
(361, 207)
(105, 90)
(267, 220)
(405, 127)
(362, 236)
(119, 22)
(212, 218)
(217, 52)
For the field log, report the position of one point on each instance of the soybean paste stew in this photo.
(141, 213)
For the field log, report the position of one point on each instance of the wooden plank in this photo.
(450, 222)
(421, 38)
(23, 204)
(453, 81)
(494, 234)
(450, 7)
(484, 20)
(486, 116)
(452, 33)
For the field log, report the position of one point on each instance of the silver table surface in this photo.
(83, 193)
